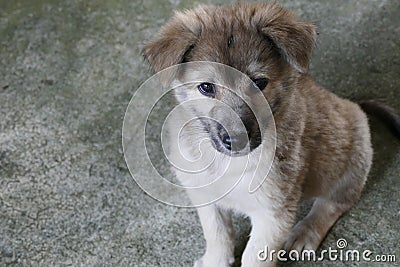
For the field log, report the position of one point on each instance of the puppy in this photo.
(323, 148)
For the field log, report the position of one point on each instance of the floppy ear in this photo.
(174, 41)
(293, 38)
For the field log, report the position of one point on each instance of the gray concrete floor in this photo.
(67, 72)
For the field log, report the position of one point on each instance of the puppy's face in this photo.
(263, 41)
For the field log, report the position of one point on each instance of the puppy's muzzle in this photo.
(234, 134)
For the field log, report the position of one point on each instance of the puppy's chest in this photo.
(239, 175)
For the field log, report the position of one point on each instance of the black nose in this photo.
(234, 143)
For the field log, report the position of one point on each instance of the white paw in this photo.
(250, 259)
(199, 263)
(213, 262)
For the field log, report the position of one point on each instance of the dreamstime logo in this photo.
(341, 243)
(340, 253)
(205, 121)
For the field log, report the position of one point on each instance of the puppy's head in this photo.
(264, 41)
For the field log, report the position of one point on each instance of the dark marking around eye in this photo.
(207, 89)
(230, 41)
(261, 82)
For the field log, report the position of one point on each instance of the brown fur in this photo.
(323, 147)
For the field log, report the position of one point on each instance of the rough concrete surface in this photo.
(67, 72)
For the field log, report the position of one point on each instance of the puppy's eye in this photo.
(207, 89)
(261, 83)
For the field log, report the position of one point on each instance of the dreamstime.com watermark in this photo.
(340, 253)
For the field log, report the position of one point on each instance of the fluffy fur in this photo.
(323, 142)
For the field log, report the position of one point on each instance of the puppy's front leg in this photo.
(267, 234)
(219, 235)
